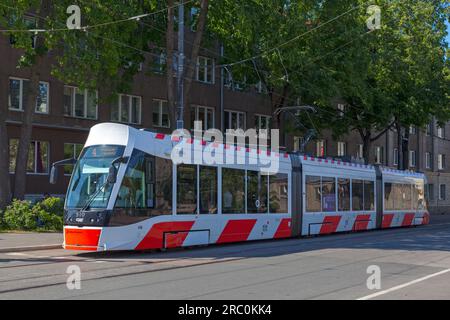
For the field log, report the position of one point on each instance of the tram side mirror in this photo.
(53, 175)
(112, 175)
(54, 169)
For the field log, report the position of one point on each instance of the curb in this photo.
(31, 248)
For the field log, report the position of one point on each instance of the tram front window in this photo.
(88, 185)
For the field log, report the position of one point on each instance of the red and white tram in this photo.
(126, 194)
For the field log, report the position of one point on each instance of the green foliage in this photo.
(43, 216)
(19, 216)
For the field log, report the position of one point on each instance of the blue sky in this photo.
(448, 36)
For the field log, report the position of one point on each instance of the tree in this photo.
(393, 77)
(105, 56)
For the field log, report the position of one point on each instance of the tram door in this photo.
(296, 197)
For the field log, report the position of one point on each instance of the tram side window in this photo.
(407, 197)
(187, 189)
(344, 194)
(357, 195)
(369, 195)
(328, 194)
(208, 190)
(389, 196)
(146, 186)
(278, 195)
(419, 197)
(233, 191)
(313, 194)
(257, 185)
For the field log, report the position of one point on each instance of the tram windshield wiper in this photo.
(110, 180)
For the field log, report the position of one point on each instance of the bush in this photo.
(54, 206)
(43, 216)
(19, 216)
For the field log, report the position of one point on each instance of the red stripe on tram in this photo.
(387, 220)
(236, 231)
(330, 224)
(284, 229)
(154, 239)
(361, 222)
(408, 219)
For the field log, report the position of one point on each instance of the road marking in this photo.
(380, 293)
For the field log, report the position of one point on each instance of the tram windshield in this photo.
(88, 187)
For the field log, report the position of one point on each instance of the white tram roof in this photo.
(161, 145)
(336, 168)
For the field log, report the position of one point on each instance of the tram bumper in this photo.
(82, 238)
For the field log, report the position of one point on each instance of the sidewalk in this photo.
(14, 242)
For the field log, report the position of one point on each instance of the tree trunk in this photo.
(191, 65)
(5, 186)
(400, 162)
(405, 148)
(29, 109)
(25, 136)
(367, 146)
(170, 40)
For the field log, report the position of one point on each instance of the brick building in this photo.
(64, 115)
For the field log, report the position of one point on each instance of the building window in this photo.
(378, 155)
(128, 109)
(441, 132)
(263, 123)
(298, 141)
(395, 155)
(38, 156)
(205, 70)
(80, 103)
(412, 158)
(234, 120)
(161, 114)
(71, 151)
(341, 109)
(429, 191)
(429, 129)
(412, 130)
(442, 192)
(203, 114)
(428, 160)
(320, 148)
(159, 62)
(342, 149)
(441, 161)
(18, 94)
(360, 152)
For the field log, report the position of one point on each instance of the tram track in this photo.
(323, 244)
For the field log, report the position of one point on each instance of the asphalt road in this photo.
(414, 264)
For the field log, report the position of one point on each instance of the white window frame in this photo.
(21, 106)
(427, 160)
(412, 130)
(341, 149)
(378, 155)
(341, 109)
(85, 98)
(259, 121)
(320, 146)
(119, 108)
(441, 161)
(205, 69)
(440, 132)
(395, 156)
(360, 152)
(440, 191)
(160, 112)
(230, 113)
(205, 123)
(297, 143)
(34, 173)
(73, 145)
(412, 158)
